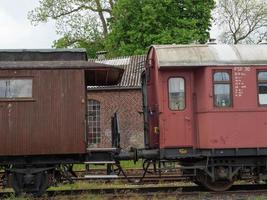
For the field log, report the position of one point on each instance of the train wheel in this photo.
(216, 186)
(17, 183)
(37, 186)
(198, 179)
(41, 184)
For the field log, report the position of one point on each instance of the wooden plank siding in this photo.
(53, 122)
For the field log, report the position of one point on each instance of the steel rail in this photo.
(146, 179)
(153, 190)
(133, 178)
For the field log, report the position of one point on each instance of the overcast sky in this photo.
(16, 32)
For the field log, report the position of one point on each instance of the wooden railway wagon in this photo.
(206, 107)
(43, 122)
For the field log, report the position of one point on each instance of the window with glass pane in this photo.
(15, 88)
(222, 89)
(176, 93)
(262, 88)
(94, 133)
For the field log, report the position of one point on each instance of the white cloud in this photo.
(16, 30)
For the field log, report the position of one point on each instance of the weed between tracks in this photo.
(95, 185)
(133, 196)
(105, 185)
(144, 197)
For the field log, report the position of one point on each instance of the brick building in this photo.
(125, 99)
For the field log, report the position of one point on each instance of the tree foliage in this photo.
(138, 24)
(91, 46)
(242, 21)
(82, 23)
(125, 27)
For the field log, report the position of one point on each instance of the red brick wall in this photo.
(127, 103)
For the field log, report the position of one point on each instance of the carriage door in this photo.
(177, 115)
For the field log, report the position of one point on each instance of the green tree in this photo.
(138, 24)
(91, 46)
(81, 23)
(125, 27)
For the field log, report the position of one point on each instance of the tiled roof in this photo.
(133, 67)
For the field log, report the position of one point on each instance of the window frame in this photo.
(257, 89)
(94, 139)
(14, 99)
(230, 82)
(168, 92)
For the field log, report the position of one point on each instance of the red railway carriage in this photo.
(206, 106)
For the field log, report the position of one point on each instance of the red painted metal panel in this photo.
(233, 129)
(176, 126)
(153, 101)
(243, 125)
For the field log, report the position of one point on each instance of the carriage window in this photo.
(15, 88)
(222, 89)
(262, 88)
(176, 93)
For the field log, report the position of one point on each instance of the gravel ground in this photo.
(170, 197)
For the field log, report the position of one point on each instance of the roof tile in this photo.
(133, 67)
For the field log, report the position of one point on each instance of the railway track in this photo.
(135, 179)
(150, 188)
(155, 190)
(133, 176)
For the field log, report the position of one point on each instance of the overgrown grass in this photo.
(112, 184)
(119, 184)
(132, 197)
(258, 198)
(88, 185)
(131, 164)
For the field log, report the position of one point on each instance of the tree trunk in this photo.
(102, 18)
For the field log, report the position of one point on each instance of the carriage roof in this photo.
(210, 55)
